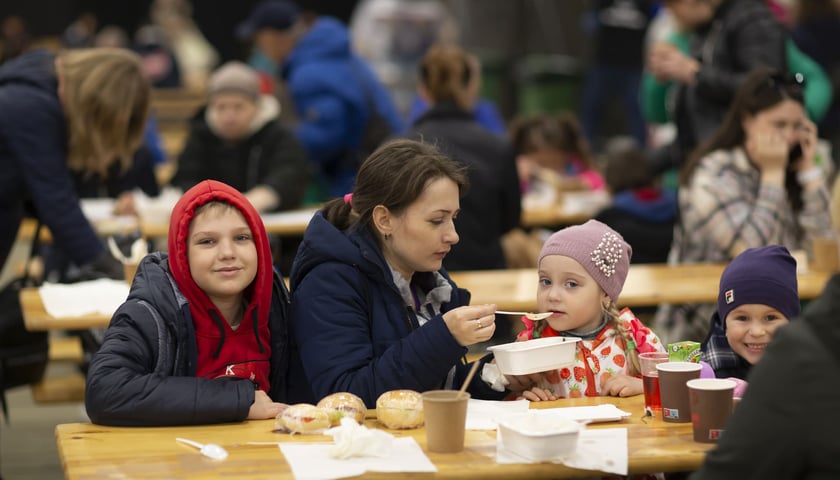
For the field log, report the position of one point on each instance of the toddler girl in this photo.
(581, 272)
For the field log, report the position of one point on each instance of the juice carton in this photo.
(684, 352)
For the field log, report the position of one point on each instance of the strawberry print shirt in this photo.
(597, 359)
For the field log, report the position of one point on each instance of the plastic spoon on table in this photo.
(528, 315)
(210, 450)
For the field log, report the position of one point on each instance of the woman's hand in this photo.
(807, 137)
(125, 204)
(537, 394)
(472, 324)
(622, 386)
(768, 152)
(264, 407)
(666, 62)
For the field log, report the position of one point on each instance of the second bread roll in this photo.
(400, 409)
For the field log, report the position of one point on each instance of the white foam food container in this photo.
(534, 356)
(539, 436)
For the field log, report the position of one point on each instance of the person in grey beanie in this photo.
(238, 140)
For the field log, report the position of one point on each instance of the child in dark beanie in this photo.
(758, 294)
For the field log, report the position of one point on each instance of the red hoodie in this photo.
(222, 351)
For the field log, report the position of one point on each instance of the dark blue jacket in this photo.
(332, 90)
(144, 373)
(353, 330)
(491, 206)
(33, 158)
(646, 222)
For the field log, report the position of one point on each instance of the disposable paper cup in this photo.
(673, 392)
(130, 270)
(826, 254)
(711, 405)
(446, 420)
(650, 378)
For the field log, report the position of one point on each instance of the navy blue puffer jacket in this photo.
(353, 330)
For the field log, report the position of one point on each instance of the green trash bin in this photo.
(548, 84)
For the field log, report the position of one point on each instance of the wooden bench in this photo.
(66, 349)
(67, 388)
(175, 106)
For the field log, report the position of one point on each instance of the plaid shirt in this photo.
(724, 210)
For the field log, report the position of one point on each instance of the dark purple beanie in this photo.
(763, 275)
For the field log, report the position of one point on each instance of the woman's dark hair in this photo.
(561, 132)
(394, 176)
(762, 89)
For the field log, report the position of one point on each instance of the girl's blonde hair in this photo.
(106, 101)
(448, 73)
(610, 312)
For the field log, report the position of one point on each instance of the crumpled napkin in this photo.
(101, 296)
(354, 440)
(602, 449)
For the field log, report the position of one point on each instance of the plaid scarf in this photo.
(715, 349)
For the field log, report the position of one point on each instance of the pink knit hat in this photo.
(599, 249)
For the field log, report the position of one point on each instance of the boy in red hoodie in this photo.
(202, 336)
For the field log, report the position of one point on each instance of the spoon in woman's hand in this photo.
(528, 315)
(211, 450)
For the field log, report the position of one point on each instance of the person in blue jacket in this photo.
(337, 97)
(202, 337)
(79, 111)
(373, 309)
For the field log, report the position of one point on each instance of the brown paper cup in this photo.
(446, 420)
(710, 400)
(826, 254)
(130, 270)
(673, 392)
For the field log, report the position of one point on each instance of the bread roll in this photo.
(303, 418)
(343, 404)
(400, 409)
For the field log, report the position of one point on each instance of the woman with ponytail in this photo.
(449, 79)
(373, 308)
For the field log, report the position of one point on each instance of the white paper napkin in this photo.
(603, 449)
(102, 296)
(312, 460)
(596, 413)
(482, 414)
